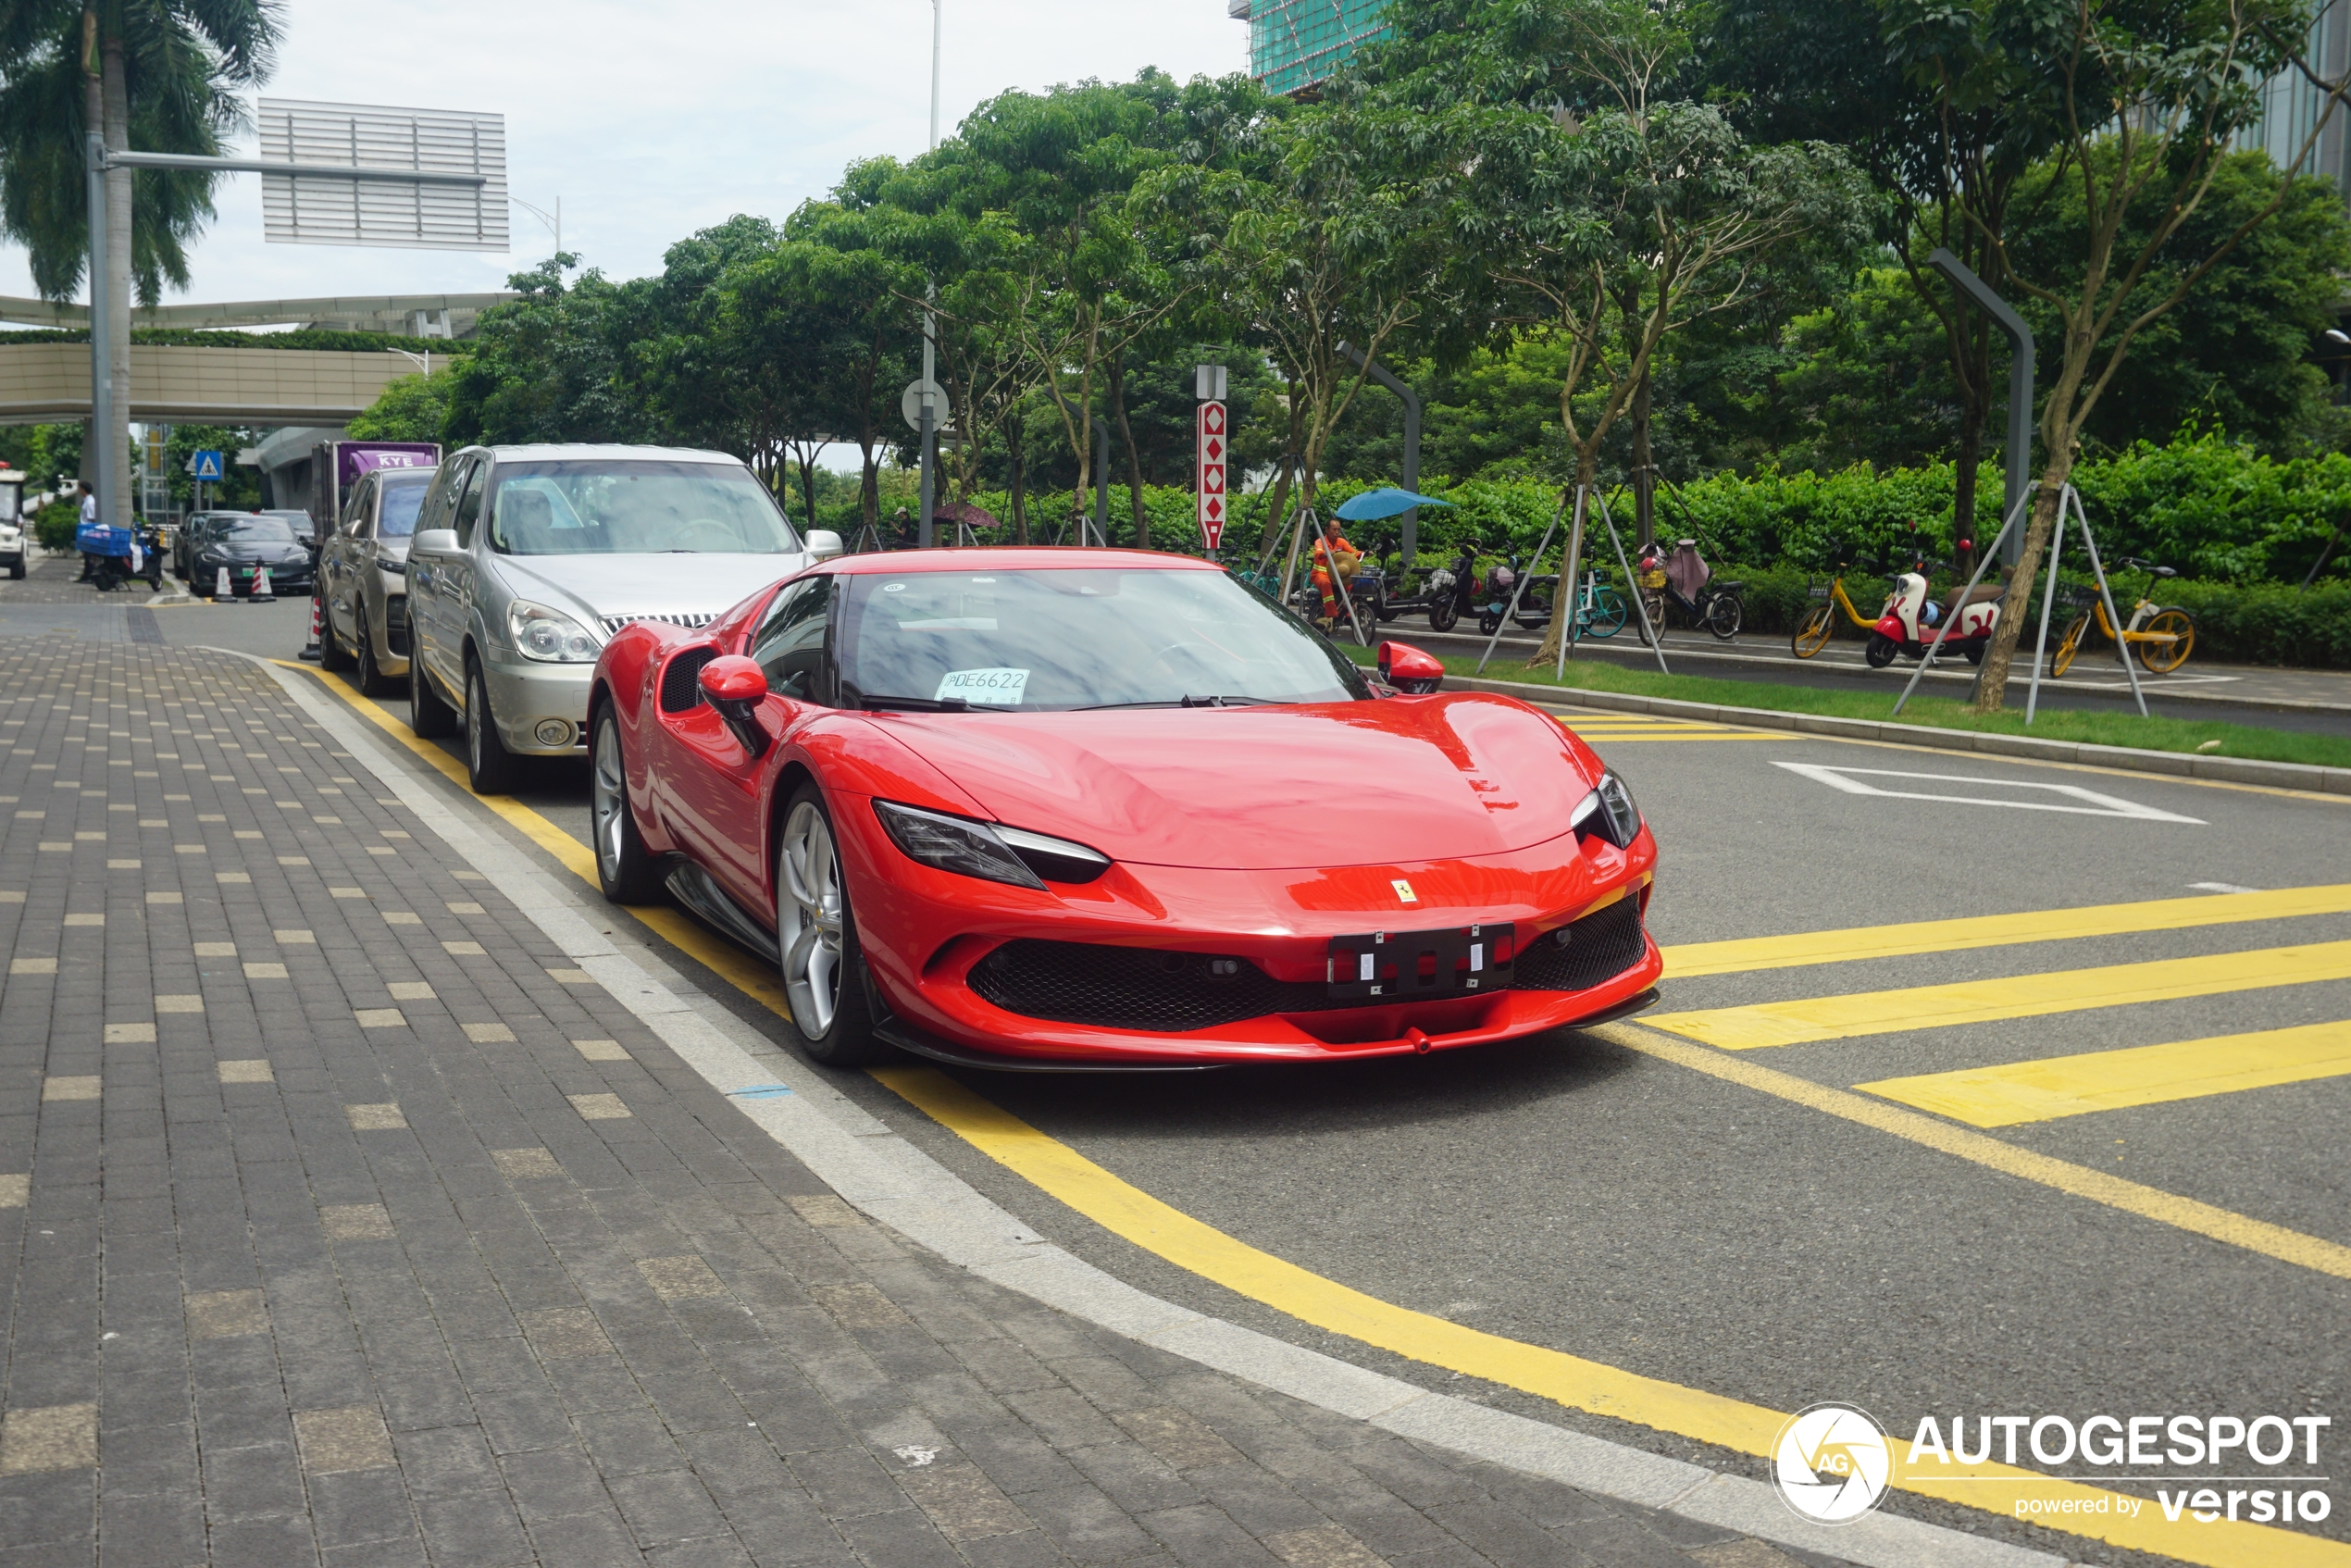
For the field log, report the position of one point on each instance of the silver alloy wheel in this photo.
(808, 917)
(608, 800)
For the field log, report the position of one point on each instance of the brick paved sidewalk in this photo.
(343, 1222)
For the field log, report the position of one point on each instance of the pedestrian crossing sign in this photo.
(205, 466)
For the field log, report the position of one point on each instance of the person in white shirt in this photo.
(89, 520)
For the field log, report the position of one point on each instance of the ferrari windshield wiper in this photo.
(1187, 701)
(916, 705)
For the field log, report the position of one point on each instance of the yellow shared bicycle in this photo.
(1818, 621)
(2162, 635)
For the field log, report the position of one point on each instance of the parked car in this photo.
(244, 543)
(363, 574)
(185, 539)
(12, 523)
(1072, 809)
(527, 559)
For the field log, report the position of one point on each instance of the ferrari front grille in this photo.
(1133, 987)
(681, 683)
(1589, 951)
(615, 625)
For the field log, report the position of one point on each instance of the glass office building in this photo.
(2290, 106)
(1295, 43)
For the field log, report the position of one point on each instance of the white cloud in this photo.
(651, 121)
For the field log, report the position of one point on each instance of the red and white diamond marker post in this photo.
(1213, 455)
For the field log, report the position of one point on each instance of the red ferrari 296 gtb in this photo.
(1083, 809)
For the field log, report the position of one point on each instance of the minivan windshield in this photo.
(396, 518)
(620, 506)
(1078, 638)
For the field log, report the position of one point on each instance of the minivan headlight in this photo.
(550, 635)
(1608, 813)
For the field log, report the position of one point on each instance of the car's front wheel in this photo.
(624, 869)
(427, 714)
(489, 767)
(824, 979)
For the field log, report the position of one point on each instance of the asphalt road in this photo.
(1574, 1194)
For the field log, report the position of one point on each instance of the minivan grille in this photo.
(614, 624)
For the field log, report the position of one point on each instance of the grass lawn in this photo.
(2123, 729)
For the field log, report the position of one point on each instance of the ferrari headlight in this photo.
(550, 635)
(1609, 812)
(993, 853)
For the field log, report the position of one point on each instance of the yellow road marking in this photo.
(2017, 996)
(1743, 954)
(2080, 1181)
(1130, 1212)
(1646, 1401)
(739, 969)
(2108, 1080)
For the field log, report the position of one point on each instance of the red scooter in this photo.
(1910, 621)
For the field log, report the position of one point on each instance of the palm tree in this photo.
(160, 73)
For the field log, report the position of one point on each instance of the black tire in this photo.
(1881, 650)
(15, 572)
(330, 649)
(1653, 601)
(1442, 614)
(1974, 652)
(624, 869)
(846, 1038)
(1723, 613)
(489, 767)
(1487, 623)
(429, 716)
(369, 676)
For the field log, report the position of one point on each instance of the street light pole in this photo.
(928, 532)
(105, 476)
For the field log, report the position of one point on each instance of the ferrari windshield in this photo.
(1079, 637)
(600, 506)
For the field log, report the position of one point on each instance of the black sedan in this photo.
(242, 543)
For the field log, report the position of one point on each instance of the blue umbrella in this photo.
(1373, 505)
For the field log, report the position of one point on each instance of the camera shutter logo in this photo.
(1831, 1464)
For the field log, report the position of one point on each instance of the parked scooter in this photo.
(141, 556)
(1909, 621)
(1453, 589)
(1534, 601)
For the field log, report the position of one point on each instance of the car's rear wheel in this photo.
(331, 653)
(371, 678)
(824, 979)
(623, 868)
(489, 767)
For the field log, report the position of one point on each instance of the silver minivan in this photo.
(526, 558)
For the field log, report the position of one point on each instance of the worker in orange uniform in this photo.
(1329, 550)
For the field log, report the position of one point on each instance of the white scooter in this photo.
(1911, 620)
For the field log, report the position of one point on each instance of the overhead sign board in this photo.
(320, 209)
(1213, 452)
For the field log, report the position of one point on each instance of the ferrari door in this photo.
(716, 789)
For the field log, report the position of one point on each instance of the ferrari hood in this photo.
(1268, 789)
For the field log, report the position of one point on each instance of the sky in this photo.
(652, 120)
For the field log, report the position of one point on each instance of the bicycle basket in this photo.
(2080, 598)
(1653, 579)
(1818, 590)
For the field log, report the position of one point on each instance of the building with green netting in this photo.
(1295, 43)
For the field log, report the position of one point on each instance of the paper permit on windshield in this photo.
(996, 688)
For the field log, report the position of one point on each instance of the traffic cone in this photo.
(220, 589)
(313, 652)
(261, 589)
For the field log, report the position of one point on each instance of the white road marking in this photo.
(1851, 781)
(2221, 887)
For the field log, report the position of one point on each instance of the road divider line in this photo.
(1807, 1019)
(1689, 959)
(2053, 1087)
(739, 969)
(1135, 1215)
(2079, 1181)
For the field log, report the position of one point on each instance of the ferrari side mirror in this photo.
(734, 686)
(1410, 671)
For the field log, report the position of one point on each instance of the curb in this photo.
(879, 1171)
(1635, 657)
(2128, 759)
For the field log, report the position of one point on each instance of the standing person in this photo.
(1331, 550)
(81, 538)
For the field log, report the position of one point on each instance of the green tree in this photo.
(551, 366)
(412, 408)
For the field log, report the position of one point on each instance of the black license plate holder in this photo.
(1377, 967)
